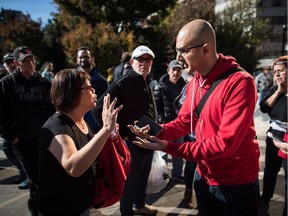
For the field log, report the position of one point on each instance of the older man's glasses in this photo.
(185, 51)
(142, 60)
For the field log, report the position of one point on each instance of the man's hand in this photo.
(153, 143)
(141, 132)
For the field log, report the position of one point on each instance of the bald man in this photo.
(227, 154)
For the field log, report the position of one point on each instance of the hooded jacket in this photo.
(225, 148)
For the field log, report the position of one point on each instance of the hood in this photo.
(223, 64)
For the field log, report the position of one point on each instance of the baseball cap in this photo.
(175, 63)
(20, 53)
(7, 57)
(141, 50)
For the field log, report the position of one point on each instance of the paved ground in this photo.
(168, 201)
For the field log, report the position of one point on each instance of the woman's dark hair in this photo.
(65, 91)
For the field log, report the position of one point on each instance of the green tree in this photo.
(106, 45)
(181, 15)
(122, 15)
(54, 51)
(18, 29)
(240, 33)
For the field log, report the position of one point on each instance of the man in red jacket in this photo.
(227, 154)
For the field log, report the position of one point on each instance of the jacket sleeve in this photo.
(263, 106)
(97, 111)
(159, 103)
(5, 121)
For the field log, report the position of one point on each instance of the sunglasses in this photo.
(146, 60)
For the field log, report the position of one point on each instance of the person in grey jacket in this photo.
(169, 87)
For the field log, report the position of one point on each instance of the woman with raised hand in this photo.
(68, 148)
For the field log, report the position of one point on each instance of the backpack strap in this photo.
(202, 102)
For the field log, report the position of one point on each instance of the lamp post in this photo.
(284, 39)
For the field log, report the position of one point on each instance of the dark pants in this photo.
(272, 167)
(136, 183)
(27, 156)
(285, 161)
(236, 200)
(189, 171)
(190, 167)
(10, 154)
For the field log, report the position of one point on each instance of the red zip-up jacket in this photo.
(225, 148)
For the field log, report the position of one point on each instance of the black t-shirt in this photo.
(60, 193)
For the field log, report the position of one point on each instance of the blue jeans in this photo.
(10, 154)
(234, 200)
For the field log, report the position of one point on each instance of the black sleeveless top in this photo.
(60, 193)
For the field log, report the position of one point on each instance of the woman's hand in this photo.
(109, 114)
(154, 143)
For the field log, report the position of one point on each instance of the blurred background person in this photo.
(120, 69)
(86, 63)
(165, 92)
(275, 105)
(8, 62)
(264, 81)
(48, 71)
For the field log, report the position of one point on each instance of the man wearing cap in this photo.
(6, 145)
(24, 107)
(133, 91)
(168, 88)
(8, 62)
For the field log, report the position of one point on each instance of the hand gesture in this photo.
(141, 132)
(109, 114)
(153, 143)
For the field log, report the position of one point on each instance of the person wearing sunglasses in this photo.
(135, 92)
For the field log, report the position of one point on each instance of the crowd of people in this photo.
(59, 121)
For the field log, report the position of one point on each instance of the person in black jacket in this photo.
(24, 107)
(133, 91)
(168, 88)
(275, 105)
(8, 62)
(85, 61)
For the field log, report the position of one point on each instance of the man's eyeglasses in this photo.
(146, 60)
(90, 88)
(184, 51)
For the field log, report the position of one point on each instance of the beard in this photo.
(84, 64)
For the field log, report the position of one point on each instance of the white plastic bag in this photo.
(158, 177)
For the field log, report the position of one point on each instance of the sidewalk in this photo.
(168, 201)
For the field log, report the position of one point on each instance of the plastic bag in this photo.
(158, 177)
